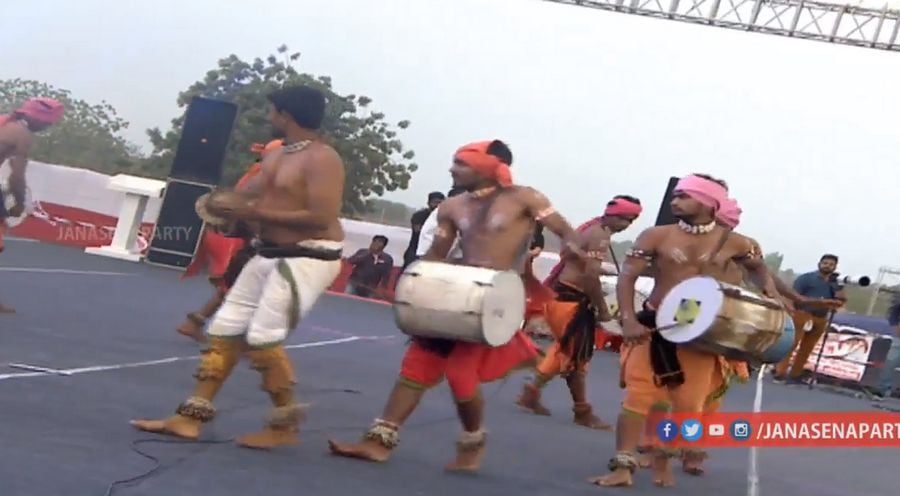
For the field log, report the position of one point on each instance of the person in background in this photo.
(893, 315)
(811, 318)
(417, 221)
(426, 233)
(371, 269)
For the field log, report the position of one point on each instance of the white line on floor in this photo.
(131, 365)
(65, 271)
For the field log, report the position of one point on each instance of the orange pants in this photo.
(467, 366)
(2, 233)
(734, 369)
(804, 342)
(642, 395)
(556, 360)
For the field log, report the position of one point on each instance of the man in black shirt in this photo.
(371, 269)
(417, 220)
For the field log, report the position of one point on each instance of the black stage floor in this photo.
(110, 324)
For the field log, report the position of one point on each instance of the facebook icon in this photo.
(666, 430)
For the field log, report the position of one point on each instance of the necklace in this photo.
(701, 229)
(295, 147)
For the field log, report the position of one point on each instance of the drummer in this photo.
(573, 316)
(495, 220)
(652, 366)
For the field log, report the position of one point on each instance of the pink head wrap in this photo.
(709, 193)
(730, 213)
(44, 110)
(623, 207)
(475, 155)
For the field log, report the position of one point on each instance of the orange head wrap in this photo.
(475, 155)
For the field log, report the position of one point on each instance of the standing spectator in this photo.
(426, 234)
(371, 269)
(824, 292)
(416, 222)
(893, 315)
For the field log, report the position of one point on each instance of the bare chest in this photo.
(694, 251)
(501, 216)
(287, 174)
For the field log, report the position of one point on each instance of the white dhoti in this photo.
(272, 295)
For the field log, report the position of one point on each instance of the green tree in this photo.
(87, 136)
(376, 160)
(774, 261)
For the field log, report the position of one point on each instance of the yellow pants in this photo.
(804, 342)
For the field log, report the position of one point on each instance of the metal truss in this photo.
(812, 20)
(879, 286)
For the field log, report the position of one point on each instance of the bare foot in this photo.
(173, 426)
(693, 466)
(619, 478)
(530, 399)
(592, 421)
(192, 327)
(662, 472)
(466, 461)
(365, 450)
(645, 460)
(269, 439)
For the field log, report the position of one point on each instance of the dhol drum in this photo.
(225, 226)
(459, 302)
(642, 289)
(723, 319)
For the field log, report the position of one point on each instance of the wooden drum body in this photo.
(723, 319)
(642, 289)
(459, 302)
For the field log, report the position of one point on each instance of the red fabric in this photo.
(623, 207)
(214, 252)
(536, 296)
(2, 234)
(550, 280)
(475, 155)
(468, 365)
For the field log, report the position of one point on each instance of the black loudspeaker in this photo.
(665, 217)
(204, 139)
(178, 229)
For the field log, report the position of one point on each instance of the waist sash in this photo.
(667, 369)
(582, 327)
(268, 249)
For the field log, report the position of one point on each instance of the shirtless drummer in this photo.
(655, 369)
(495, 220)
(298, 256)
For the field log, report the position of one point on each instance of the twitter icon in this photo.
(691, 430)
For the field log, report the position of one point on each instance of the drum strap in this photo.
(722, 240)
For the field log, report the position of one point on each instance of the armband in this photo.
(642, 254)
(543, 214)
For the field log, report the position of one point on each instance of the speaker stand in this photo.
(137, 190)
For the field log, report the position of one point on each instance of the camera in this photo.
(861, 281)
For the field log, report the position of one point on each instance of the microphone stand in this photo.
(815, 377)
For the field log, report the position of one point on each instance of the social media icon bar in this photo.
(716, 430)
(666, 430)
(740, 430)
(691, 430)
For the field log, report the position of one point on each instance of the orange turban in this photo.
(475, 155)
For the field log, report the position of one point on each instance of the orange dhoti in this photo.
(571, 320)
(465, 365)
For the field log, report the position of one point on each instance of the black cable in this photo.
(158, 466)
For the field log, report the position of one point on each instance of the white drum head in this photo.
(706, 292)
(503, 308)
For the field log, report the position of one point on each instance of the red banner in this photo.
(780, 430)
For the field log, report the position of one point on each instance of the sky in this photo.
(593, 103)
